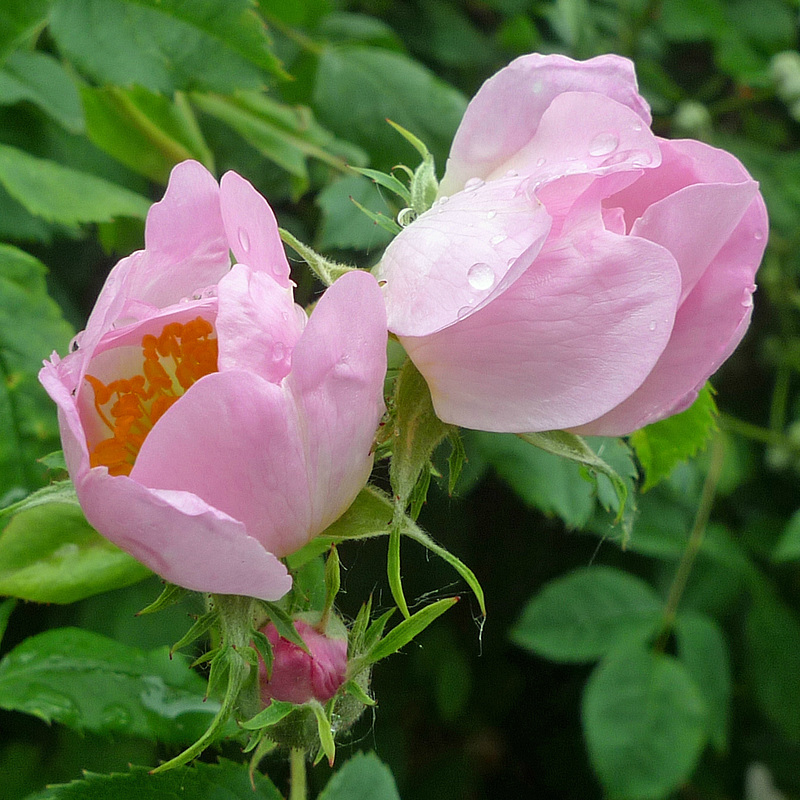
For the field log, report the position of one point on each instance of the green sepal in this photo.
(263, 746)
(59, 492)
(333, 582)
(456, 460)
(263, 647)
(379, 219)
(201, 626)
(325, 731)
(359, 628)
(284, 625)
(170, 595)
(419, 494)
(387, 181)
(424, 185)
(271, 715)
(403, 633)
(574, 448)
(325, 269)
(354, 689)
(393, 570)
(373, 634)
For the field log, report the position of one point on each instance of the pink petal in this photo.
(184, 239)
(181, 538)
(694, 224)
(578, 332)
(460, 254)
(506, 111)
(338, 369)
(257, 324)
(234, 440)
(584, 132)
(708, 326)
(252, 229)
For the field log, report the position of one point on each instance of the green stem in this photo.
(695, 541)
(297, 768)
(757, 433)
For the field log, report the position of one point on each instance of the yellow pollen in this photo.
(137, 403)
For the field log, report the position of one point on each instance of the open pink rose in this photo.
(298, 677)
(208, 429)
(576, 271)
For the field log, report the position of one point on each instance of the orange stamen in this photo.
(139, 401)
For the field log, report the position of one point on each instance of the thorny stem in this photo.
(695, 541)
(297, 768)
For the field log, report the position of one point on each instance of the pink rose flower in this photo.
(576, 271)
(298, 677)
(208, 429)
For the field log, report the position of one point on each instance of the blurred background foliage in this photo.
(100, 98)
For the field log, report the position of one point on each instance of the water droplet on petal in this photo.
(278, 351)
(642, 161)
(498, 239)
(637, 126)
(512, 173)
(759, 235)
(439, 202)
(652, 326)
(463, 311)
(491, 215)
(472, 184)
(537, 87)
(406, 216)
(603, 144)
(480, 276)
(244, 240)
(747, 296)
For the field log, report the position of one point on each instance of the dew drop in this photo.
(244, 240)
(512, 173)
(642, 161)
(472, 184)
(406, 216)
(637, 126)
(603, 144)
(759, 235)
(480, 276)
(652, 326)
(498, 239)
(537, 87)
(491, 215)
(540, 161)
(278, 351)
(285, 316)
(747, 297)
(463, 311)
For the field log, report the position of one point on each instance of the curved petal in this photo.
(257, 325)
(338, 369)
(582, 132)
(460, 254)
(578, 332)
(234, 440)
(252, 229)
(708, 326)
(181, 538)
(505, 113)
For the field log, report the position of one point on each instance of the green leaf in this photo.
(31, 326)
(145, 131)
(61, 194)
(198, 782)
(363, 777)
(50, 554)
(165, 45)
(788, 546)
(91, 683)
(544, 481)
(772, 647)
(644, 723)
(386, 180)
(325, 731)
(344, 225)
(19, 19)
(357, 88)
(660, 447)
(39, 78)
(703, 651)
(6, 608)
(404, 632)
(586, 614)
(284, 625)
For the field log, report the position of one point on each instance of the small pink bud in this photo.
(298, 677)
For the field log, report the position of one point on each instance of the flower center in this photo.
(173, 361)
